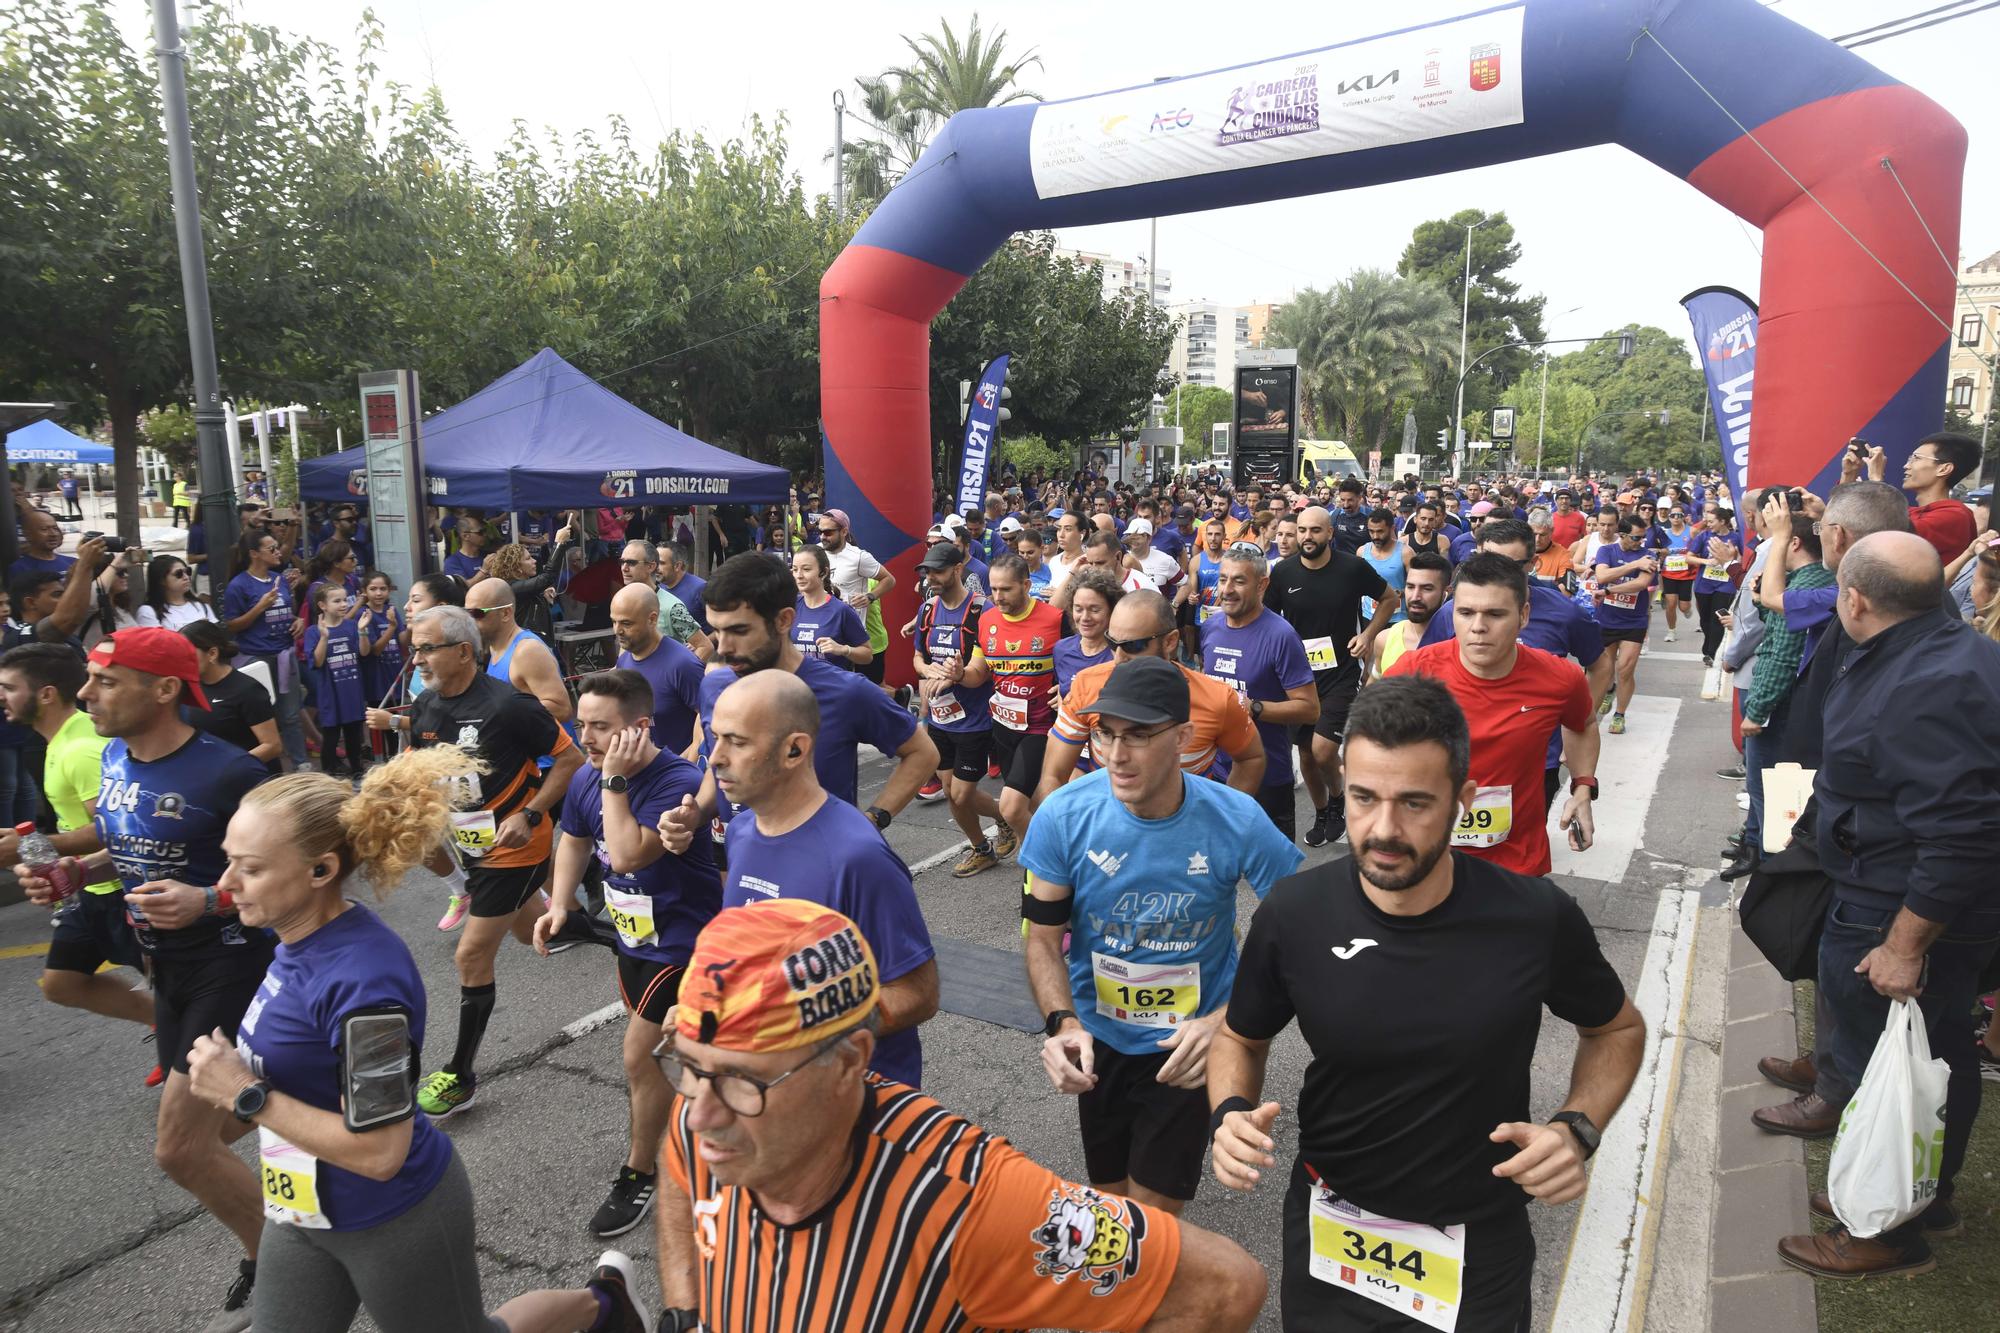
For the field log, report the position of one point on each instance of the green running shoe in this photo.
(445, 1094)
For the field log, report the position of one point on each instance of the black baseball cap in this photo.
(943, 555)
(1146, 690)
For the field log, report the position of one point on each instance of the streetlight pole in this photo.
(212, 451)
(839, 155)
(1542, 417)
(1464, 325)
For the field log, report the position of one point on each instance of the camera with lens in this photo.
(114, 545)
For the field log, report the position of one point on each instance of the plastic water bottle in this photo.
(40, 857)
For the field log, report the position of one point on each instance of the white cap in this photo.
(1009, 526)
(953, 524)
(1139, 527)
(937, 534)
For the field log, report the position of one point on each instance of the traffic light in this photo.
(1663, 416)
(1628, 342)
(1444, 438)
(1006, 412)
(964, 398)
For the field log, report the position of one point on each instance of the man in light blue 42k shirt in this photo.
(1139, 863)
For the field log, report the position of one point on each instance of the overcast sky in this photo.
(1600, 230)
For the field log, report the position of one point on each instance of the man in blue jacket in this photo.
(1908, 793)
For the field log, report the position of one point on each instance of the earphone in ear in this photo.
(319, 872)
(795, 752)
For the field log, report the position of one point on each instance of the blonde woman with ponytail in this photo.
(365, 1202)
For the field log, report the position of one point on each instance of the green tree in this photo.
(1570, 408)
(1660, 374)
(902, 107)
(1371, 339)
(1200, 408)
(1497, 312)
(1085, 367)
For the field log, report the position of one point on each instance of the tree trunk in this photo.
(124, 410)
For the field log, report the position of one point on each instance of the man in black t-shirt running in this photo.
(1417, 1151)
(1319, 590)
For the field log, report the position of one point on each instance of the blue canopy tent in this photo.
(547, 436)
(46, 442)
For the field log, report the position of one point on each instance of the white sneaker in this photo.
(1742, 800)
(1670, 636)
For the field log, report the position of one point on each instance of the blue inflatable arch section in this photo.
(1782, 127)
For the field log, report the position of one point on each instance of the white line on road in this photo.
(1672, 657)
(1630, 768)
(592, 1021)
(958, 848)
(1610, 1257)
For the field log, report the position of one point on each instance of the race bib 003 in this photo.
(1010, 712)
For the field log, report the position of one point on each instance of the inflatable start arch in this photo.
(1780, 126)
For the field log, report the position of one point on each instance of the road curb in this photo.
(1760, 1190)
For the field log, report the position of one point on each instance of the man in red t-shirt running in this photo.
(1514, 698)
(1016, 651)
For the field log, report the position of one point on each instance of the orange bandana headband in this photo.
(776, 976)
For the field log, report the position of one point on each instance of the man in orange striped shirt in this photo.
(1142, 625)
(906, 1218)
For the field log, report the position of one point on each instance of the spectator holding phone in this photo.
(1938, 463)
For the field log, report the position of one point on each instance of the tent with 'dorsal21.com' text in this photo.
(547, 436)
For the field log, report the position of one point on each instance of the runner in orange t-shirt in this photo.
(1142, 625)
(1514, 698)
(905, 1218)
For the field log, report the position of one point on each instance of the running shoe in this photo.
(445, 1094)
(1336, 821)
(156, 1078)
(1617, 727)
(904, 696)
(992, 768)
(1734, 773)
(235, 1316)
(615, 1283)
(1005, 840)
(626, 1206)
(454, 913)
(1670, 636)
(1316, 835)
(1604, 704)
(975, 860)
(931, 791)
(564, 942)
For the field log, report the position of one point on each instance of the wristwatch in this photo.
(1257, 708)
(611, 782)
(1587, 1134)
(881, 817)
(1053, 1023)
(680, 1321)
(534, 817)
(251, 1100)
(1586, 784)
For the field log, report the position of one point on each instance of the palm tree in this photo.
(1372, 338)
(902, 107)
(946, 77)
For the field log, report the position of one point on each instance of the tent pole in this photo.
(701, 560)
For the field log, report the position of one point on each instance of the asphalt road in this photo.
(93, 1237)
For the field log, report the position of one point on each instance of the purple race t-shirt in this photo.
(838, 859)
(685, 890)
(1263, 660)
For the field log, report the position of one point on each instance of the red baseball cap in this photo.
(157, 652)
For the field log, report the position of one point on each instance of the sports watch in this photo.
(1587, 784)
(534, 817)
(680, 1321)
(611, 783)
(1053, 1023)
(251, 1100)
(881, 817)
(1587, 1134)
(1257, 709)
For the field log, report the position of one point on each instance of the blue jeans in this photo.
(1760, 752)
(1859, 1013)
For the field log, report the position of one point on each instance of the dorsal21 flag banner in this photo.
(982, 431)
(1725, 335)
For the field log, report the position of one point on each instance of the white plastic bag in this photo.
(1891, 1140)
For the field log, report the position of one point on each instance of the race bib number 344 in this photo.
(1414, 1269)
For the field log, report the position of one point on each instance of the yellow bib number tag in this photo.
(290, 1177)
(1320, 655)
(1150, 995)
(474, 831)
(1413, 1269)
(632, 914)
(1677, 562)
(1487, 821)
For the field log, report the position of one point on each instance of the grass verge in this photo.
(1964, 1291)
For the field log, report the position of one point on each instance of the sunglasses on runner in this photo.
(1134, 647)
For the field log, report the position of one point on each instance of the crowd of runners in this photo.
(1122, 691)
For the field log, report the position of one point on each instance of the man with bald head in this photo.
(1908, 797)
(790, 838)
(674, 672)
(515, 655)
(1320, 590)
(639, 566)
